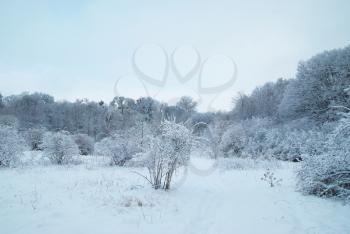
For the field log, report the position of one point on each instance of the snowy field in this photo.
(92, 198)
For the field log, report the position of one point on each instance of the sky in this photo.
(210, 50)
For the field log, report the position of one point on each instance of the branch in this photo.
(346, 172)
(340, 107)
(143, 176)
(335, 107)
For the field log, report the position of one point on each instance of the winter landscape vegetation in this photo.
(277, 161)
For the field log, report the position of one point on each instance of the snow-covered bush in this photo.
(255, 145)
(34, 138)
(247, 139)
(327, 173)
(114, 147)
(258, 138)
(122, 145)
(166, 152)
(233, 141)
(12, 146)
(132, 138)
(9, 121)
(59, 147)
(284, 144)
(85, 144)
(216, 130)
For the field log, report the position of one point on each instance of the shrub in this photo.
(34, 138)
(114, 147)
(9, 121)
(59, 147)
(131, 138)
(233, 141)
(85, 144)
(167, 152)
(12, 146)
(285, 144)
(257, 138)
(327, 173)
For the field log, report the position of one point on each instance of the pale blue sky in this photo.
(75, 49)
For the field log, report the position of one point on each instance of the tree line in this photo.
(305, 119)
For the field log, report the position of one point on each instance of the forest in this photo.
(305, 120)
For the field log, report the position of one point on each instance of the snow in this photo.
(94, 198)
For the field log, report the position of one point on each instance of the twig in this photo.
(142, 176)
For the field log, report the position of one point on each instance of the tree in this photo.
(174, 113)
(85, 144)
(123, 104)
(187, 104)
(243, 107)
(320, 83)
(1, 102)
(12, 146)
(263, 102)
(59, 147)
(267, 98)
(30, 109)
(123, 112)
(147, 106)
(166, 152)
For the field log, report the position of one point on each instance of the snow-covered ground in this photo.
(99, 199)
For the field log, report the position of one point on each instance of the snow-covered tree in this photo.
(34, 137)
(85, 144)
(123, 104)
(262, 103)
(30, 109)
(166, 152)
(115, 147)
(59, 147)
(1, 102)
(175, 113)
(12, 146)
(187, 104)
(147, 106)
(320, 83)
